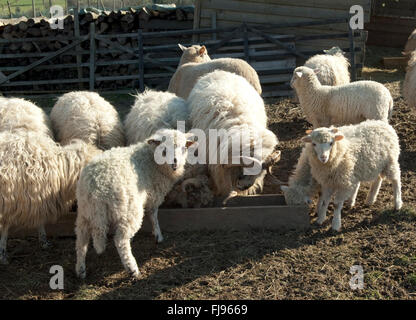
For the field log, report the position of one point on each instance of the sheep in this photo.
(409, 84)
(195, 53)
(410, 44)
(87, 116)
(17, 114)
(341, 158)
(227, 102)
(153, 110)
(116, 188)
(37, 181)
(332, 67)
(339, 105)
(186, 76)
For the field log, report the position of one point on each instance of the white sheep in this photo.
(116, 188)
(346, 104)
(87, 116)
(194, 53)
(186, 76)
(331, 68)
(341, 158)
(154, 110)
(37, 181)
(17, 113)
(409, 84)
(228, 103)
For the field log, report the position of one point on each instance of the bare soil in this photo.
(259, 264)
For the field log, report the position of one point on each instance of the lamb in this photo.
(17, 114)
(410, 44)
(331, 68)
(186, 76)
(346, 104)
(87, 116)
(116, 188)
(195, 53)
(37, 181)
(409, 84)
(341, 158)
(228, 103)
(154, 110)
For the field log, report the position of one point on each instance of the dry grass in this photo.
(259, 264)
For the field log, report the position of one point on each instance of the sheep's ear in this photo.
(299, 74)
(307, 139)
(202, 50)
(284, 188)
(183, 48)
(191, 143)
(339, 137)
(309, 131)
(154, 142)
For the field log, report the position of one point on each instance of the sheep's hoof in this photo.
(320, 222)
(134, 274)
(158, 238)
(336, 227)
(81, 273)
(398, 205)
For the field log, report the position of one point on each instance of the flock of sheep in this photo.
(84, 154)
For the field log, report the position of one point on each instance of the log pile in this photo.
(23, 53)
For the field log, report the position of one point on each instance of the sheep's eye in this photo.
(314, 144)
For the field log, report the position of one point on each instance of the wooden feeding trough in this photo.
(240, 213)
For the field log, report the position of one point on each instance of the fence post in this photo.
(352, 53)
(246, 50)
(78, 48)
(33, 8)
(92, 55)
(141, 61)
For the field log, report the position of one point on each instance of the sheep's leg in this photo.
(43, 241)
(336, 220)
(374, 189)
(83, 238)
(122, 243)
(323, 205)
(155, 224)
(398, 203)
(3, 245)
(351, 201)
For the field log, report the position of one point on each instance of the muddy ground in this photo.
(260, 264)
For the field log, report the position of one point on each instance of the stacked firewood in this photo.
(115, 22)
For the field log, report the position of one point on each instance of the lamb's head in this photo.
(335, 51)
(195, 53)
(295, 195)
(170, 149)
(323, 141)
(302, 75)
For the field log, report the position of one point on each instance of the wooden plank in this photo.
(77, 35)
(197, 19)
(394, 62)
(92, 56)
(279, 64)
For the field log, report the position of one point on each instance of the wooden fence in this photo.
(272, 55)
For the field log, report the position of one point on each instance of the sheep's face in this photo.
(194, 53)
(322, 140)
(171, 148)
(301, 73)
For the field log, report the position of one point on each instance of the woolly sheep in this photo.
(186, 76)
(331, 68)
(17, 113)
(225, 101)
(195, 53)
(116, 188)
(409, 84)
(341, 158)
(339, 105)
(37, 181)
(87, 116)
(410, 44)
(153, 110)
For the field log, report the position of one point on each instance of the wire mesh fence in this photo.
(38, 8)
